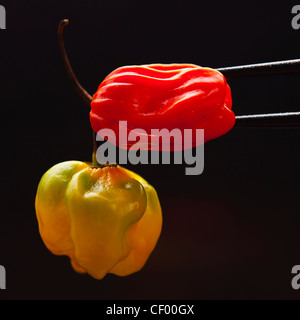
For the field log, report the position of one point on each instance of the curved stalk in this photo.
(85, 96)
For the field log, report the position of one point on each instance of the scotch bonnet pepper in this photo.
(176, 96)
(107, 220)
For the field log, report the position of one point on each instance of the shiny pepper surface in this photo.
(176, 96)
(106, 220)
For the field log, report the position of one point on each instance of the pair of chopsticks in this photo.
(285, 119)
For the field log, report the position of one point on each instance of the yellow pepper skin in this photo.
(107, 220)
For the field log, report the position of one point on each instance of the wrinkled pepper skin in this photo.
(106, 220)
(183, 96)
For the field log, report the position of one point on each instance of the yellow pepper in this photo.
(107, 220)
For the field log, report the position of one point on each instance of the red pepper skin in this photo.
(157, 96)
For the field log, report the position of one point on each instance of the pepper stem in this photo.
(85, 96)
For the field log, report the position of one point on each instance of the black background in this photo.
(231, 233)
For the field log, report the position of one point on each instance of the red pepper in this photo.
(157, 96)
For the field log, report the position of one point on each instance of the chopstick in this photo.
(259, 69)
(286, 119)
